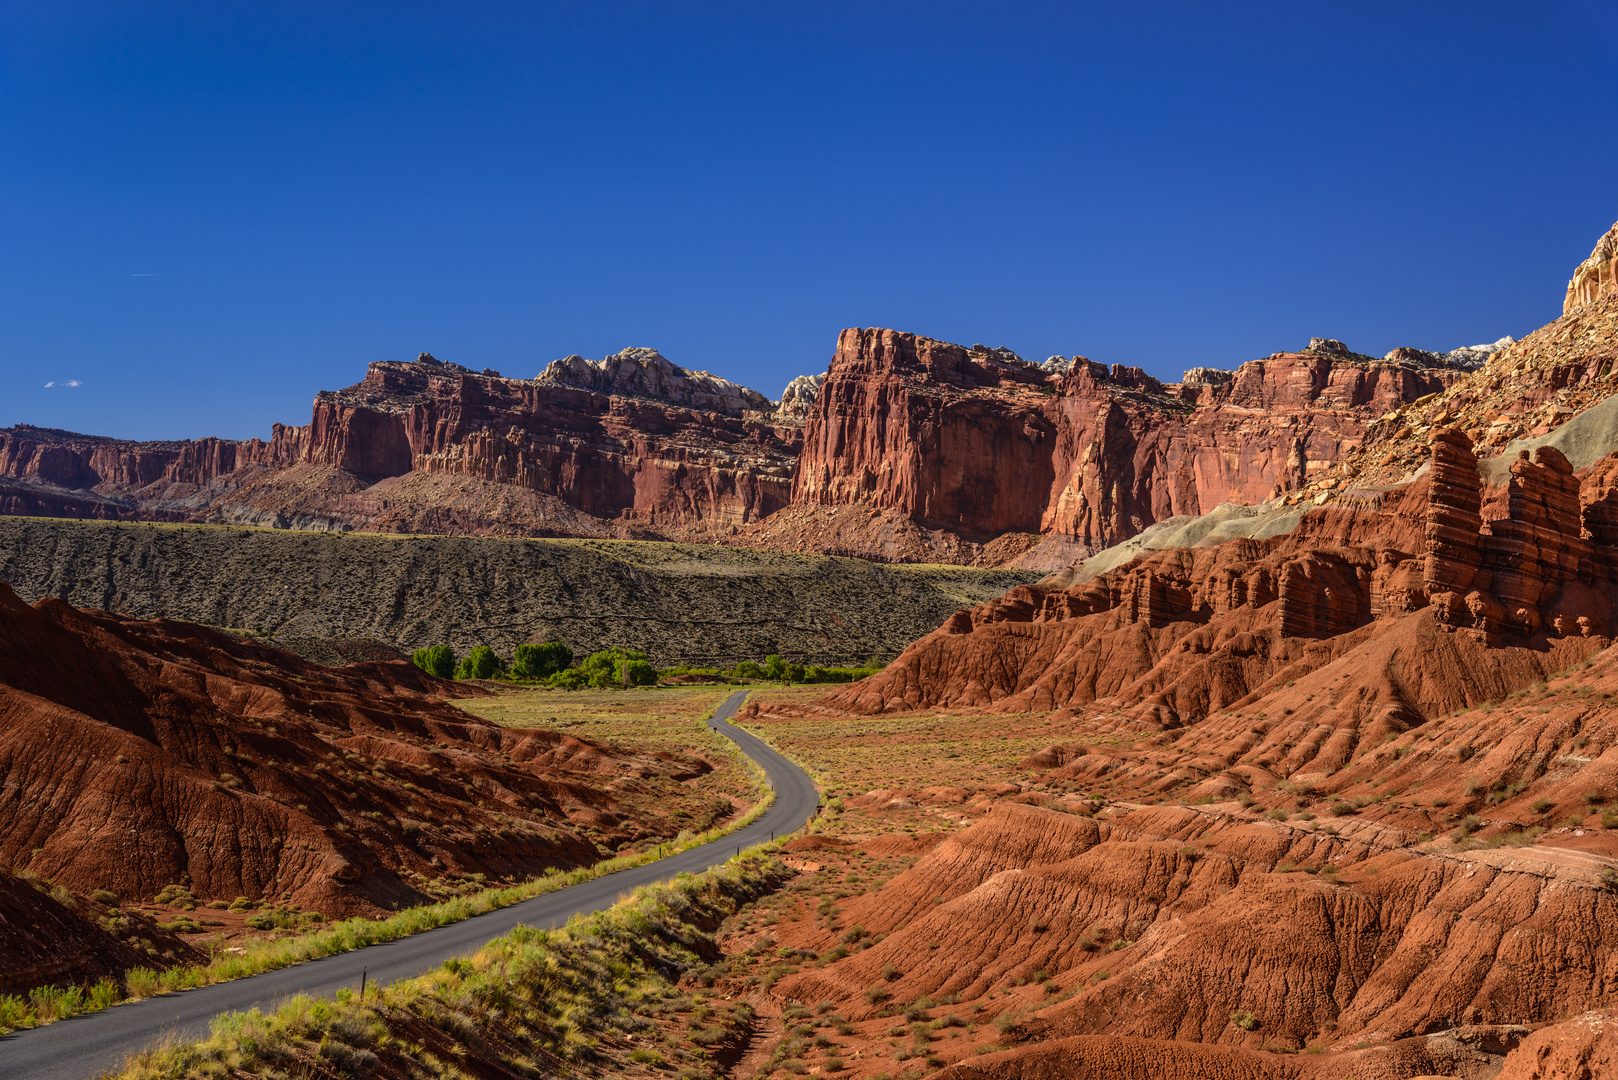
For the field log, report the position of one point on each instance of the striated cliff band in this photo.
(907, 449)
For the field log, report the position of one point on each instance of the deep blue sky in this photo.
(209, 211)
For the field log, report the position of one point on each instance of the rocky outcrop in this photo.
(1596, 276)
(1453, 519)
(798, 396)
(1179, 632)
(642, 372)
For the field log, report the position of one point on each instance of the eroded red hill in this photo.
(136, 755)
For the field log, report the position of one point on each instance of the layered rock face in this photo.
(948, 437)
(923, 450)
(979, 443)
(1495, 574)
(1596, 276)
(421, 446)
(1183, 632)
(610, 455)
(641, 372)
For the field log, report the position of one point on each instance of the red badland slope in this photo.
(1380, 586)
(50, 937)
(135, 755)
(1330, 906)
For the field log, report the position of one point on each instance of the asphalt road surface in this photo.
(87, 1046)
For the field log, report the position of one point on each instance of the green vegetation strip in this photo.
(530, 1002)
(47, 1003)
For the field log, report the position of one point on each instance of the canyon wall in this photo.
(980, 443)
(906, 449)
(945, 446)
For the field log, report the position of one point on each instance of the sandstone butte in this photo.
(907, 449)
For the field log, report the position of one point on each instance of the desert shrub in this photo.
(541, 661)
(1244, 1020)
(480, 663)
(1542, 805)
(177, 896)
(436, 660)
(104, 897)
(813, 674)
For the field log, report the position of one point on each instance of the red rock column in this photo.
(1453, 520)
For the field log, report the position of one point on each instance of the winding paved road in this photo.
(87, 1046)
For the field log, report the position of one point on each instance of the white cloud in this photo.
(74, 382)
(67, 382)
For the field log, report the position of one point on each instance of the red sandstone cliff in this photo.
(432, 447)
(934, 448)
(907, 449)
(979, 444)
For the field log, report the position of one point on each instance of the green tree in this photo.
(480, 663)
(571, 679)
(639, 673)
(541, 661)
(747, 669)
(775, 667)
(608, 668)
(436, 660)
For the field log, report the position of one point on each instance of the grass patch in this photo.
(536, 1002)
(46, 1004)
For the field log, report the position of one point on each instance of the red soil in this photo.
(135, 755)
(62, 939)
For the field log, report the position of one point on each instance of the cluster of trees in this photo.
(778, 669)
(550, 663)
